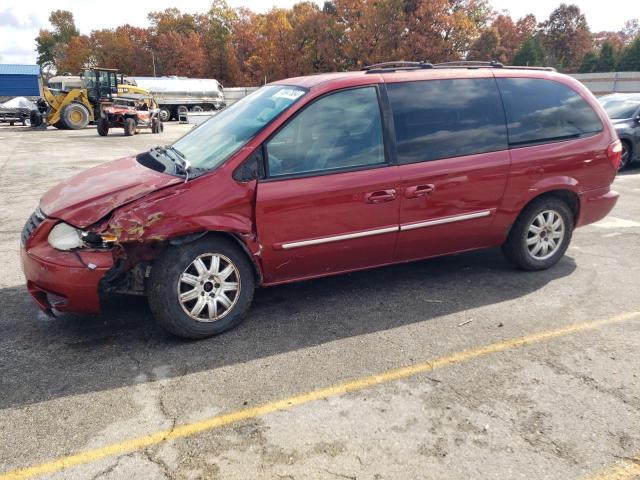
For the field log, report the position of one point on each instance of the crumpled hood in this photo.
(87, 197)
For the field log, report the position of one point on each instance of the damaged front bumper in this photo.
(65, 281)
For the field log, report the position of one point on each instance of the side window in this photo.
(341, 130)
(541, 110)
(437, 119)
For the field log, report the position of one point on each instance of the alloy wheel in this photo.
(209, 287)
(545, 234)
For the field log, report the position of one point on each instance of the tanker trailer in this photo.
(176, 95)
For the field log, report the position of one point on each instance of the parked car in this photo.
(624, 111)
(325, 174)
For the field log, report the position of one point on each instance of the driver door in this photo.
(330, 201)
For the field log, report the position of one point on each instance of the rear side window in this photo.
(540, 111)
(446, 118)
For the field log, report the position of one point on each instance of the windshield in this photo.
(619, 109)
(211, 143)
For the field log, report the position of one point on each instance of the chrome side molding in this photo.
(380, 231)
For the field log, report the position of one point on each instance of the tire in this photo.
(157, 126)
(182, 109)
(129, 127)
(103, 128)
(36, 118)
(164, 114)
(165, 284)
(26, 122)
(625, 158)
(75, 116)
(523, 241)
(197, 108)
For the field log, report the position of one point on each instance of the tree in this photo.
(589, 62)
(172, 20)
(630, 30)
(216, 31)
(64, 27)
(75, 55)
(178, 54)
(51, 44)
(486, 47)
(45, 45)
(606, 58)
(126, 48)
(630, 58)
(566, 36)
(530, 54)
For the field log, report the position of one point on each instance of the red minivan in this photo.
(326, 174)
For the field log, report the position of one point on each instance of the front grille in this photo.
(33, 222)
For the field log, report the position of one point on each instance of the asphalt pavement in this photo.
(503, 374)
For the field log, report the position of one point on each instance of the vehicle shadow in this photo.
(45, 359)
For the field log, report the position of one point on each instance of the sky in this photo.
(21, 20)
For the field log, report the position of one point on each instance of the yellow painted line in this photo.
(626, 470)
(194, 428)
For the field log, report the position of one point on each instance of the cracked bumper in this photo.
(64, 281)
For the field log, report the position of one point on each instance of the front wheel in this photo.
(103, 127)
(541, 234)
(129, 127)
(201, 289)
(625, 157)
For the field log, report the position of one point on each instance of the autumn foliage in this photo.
(240, 47)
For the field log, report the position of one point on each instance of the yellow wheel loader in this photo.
(74, 108)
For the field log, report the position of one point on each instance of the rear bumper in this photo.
(595, 205)
(70, 284)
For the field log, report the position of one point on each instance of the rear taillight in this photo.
(614, 153)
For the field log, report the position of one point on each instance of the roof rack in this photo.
(396, 65)
(469, 64)
(387, 67)
(490, 64)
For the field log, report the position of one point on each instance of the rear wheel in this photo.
(103, 127)
(541, 234)
(198, 108)
(164, 114)
(202, 288)
(75, 116)
(129, 127)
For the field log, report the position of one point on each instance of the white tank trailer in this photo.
(179, 95)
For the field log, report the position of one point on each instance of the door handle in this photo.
(416, 191)
(380, 196)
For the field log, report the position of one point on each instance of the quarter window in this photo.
(437, 119)
(541, 111)
(340, 131)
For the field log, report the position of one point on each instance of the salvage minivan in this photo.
(326, 174)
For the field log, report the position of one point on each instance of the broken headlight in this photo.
(65, 237)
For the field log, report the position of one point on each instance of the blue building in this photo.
(19, 80)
